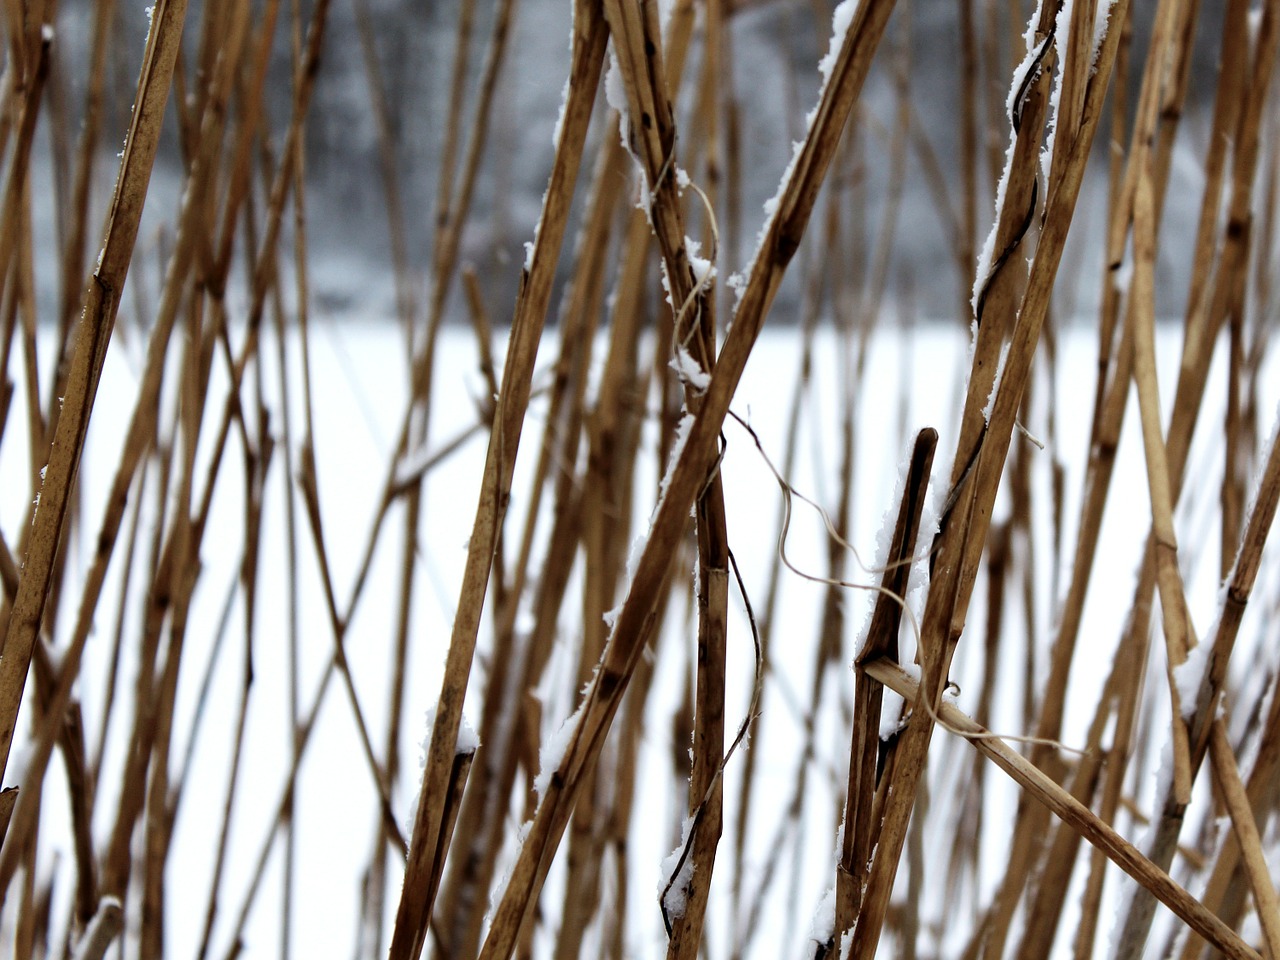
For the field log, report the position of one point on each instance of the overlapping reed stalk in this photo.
(913, 856)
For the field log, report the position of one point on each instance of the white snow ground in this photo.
(359, 395)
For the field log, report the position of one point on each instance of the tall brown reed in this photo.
(645, 366)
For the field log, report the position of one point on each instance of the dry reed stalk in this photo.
(1044, 913)
(211, 132)
(1204, 322)
(1062, 804)
(257, 467)
(605, 532)
(602, 571)
(143, 802)
(16, 183)
(21, 301)
(687, 477)
(1227, 778)
(453, 116)
(587, 55)
(77, 214)
(285, 812)
(8, 797)
(1178, 631)
(101, 304)
(405, 306)
(169, 594)
(580, 512)
(715, 83)
(964, 852)
(1110, 402)
(80, 794)
(453, 205)
(454, 200)
(811, 305)
(1224, 118)
(482, 327)
(694, 337)
(308, 482)
(25, 934)
(107, 922)
(1261, 516)
(482, 821)
(1232, 491)
(238, 180)
(1118, 212)
(995, 306)
(965, 235)
(625, 776)
(1223, 880)
(605, 507)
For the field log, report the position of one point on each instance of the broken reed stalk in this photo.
(1061, 803)
(977, 468)
(861, 833)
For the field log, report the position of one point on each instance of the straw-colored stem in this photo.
(637, 616)
(86, 368)
(587, 54)
(1178, 633)
(1233, 793)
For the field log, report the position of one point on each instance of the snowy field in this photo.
(913, 378)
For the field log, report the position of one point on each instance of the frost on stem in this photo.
(1024, 76)
(468, 743)
(822, 926)
(676, 874)
(677, 448)
(564, 104)
(1062, 28)
(1189, 676)
(703, 269)
(507, 861)
(553, 749)
(1101, 22)
(841, 18)
(995, 384)
(738, 284)
(615, 94)
(689, 371)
